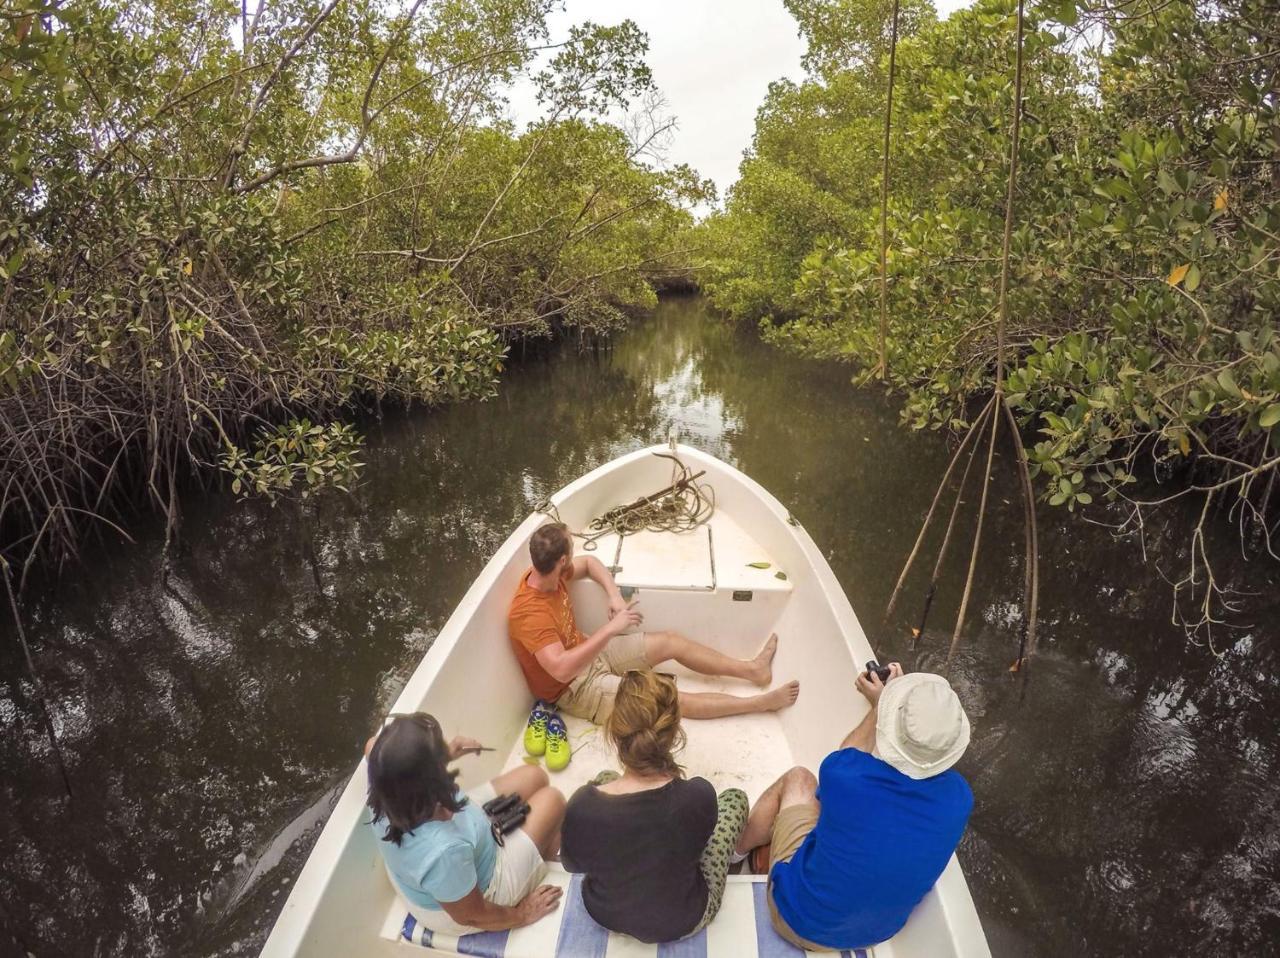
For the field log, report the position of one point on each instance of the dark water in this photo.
(1126, 797)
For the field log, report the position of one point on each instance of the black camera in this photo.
(881, 670)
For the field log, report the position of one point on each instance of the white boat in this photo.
(701, 583)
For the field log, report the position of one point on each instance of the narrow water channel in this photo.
(1126, 796)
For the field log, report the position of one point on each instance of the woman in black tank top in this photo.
(654, 847)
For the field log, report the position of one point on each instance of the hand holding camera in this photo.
(872, 682)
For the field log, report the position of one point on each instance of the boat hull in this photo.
(470, 681)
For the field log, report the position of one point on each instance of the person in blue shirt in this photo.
(853, 851)
(438, 844)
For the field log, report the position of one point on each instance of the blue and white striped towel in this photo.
(741, 930)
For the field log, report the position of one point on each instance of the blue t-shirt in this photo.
(881, 841)
(441, 861)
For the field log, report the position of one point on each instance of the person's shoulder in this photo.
(849, 761)
(695, 801)
(853, 769)
(524, 596)
(522, 587)
(698, 794)
(957, 789)
(688, 791)
(697, 786)
(584, 801)
(426, 844)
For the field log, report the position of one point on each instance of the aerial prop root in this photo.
(933, 506)
(946, 542)
(1031, 577)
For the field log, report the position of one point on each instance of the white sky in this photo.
(713, 60)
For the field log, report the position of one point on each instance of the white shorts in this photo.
(517, 872)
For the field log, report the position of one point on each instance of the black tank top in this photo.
(639, 854)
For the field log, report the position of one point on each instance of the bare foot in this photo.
(761, 672)
(784, 696)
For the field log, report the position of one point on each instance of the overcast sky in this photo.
(713, 60)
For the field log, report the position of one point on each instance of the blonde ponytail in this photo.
(645, 727)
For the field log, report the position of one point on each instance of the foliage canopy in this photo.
(1146, 286)
(213, 222)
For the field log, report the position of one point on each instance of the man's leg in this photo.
(633, 650)
(707, 705)
(661, 646)
(797, 786)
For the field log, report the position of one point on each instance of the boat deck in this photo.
(681, 582)
(746, 751)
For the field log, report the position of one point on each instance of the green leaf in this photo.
(1228, 383)
(780, 575)
(1193, 278)
(1270, 416)
(759, 565)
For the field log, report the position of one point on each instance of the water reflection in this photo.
(1125, 803)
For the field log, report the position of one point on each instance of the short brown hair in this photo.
(644, 727)
(548, 545)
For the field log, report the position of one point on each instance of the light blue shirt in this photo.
(441, 861)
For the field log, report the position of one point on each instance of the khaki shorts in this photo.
(590, 695)
(790, 828)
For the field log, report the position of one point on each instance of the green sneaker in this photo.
(535, 733)
(558, 751)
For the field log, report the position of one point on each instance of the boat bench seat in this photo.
(719, 555)
(741, 930)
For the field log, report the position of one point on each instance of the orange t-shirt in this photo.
(537, 619)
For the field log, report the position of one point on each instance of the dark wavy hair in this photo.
(409, 780)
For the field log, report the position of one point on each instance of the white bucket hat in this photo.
(921, 728)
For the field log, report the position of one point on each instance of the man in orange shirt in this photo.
(580, 673)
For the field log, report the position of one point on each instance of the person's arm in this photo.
(863, 737)
(571, 827)
(461, 745)
(564, 665)
(592, 568)
(473, 910)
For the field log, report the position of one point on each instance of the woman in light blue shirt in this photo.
(437, 843)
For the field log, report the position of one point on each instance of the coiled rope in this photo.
(682, 506)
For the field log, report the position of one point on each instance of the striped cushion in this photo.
(741, 930)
